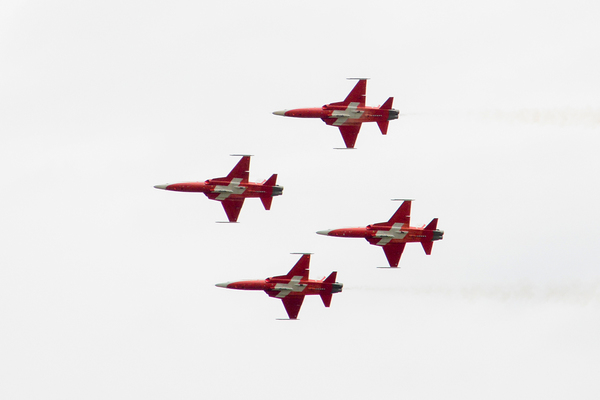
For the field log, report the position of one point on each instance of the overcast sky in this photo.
(107, 284)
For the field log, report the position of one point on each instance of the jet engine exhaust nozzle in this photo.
(277, 190)
(336, 287)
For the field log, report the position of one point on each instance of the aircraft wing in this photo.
(349, 134)
(292, 305)
(232, 208)
(241, 170)
(393, 252)
(358, 94)
(402, 214)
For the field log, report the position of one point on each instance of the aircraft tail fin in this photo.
(326, 297)
(383, 126)
(271, 181)
(268, 199)
(388, 104)
(331, 278)
(427, 246)
(432, 226)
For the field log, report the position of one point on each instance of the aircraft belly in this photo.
(226, 191)
(383, 241)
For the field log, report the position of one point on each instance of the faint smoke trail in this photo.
(558, 116)
(578, 293)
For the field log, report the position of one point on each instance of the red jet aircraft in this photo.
(348, 115)
(292, 288)
(232, 189)
(394, 234)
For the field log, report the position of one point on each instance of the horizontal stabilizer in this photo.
(427, 246)
(383, 126)
(326, 297)
(267, 200)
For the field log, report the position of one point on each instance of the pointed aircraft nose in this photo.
(224, 284)
(164, 187)
(282, 113)
(325, 232)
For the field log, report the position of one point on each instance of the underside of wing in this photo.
(301, 268)
(358, 94)
(232, 208)
(292, 305)
(349, 134)
(402, 214)
(241, 170)
(393, 252)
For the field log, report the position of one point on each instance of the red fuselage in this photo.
(292, 287)
(382, 234)
(215, 188)
(340, 115)
(272, 286)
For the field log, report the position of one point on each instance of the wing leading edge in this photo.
(292, 305)
(393, 252)
(232, 208)
(349, 134)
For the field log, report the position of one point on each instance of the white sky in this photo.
(107, 284)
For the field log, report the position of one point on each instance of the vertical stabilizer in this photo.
(272, 181)
(432, 226)
(388, 104)
(331, 278)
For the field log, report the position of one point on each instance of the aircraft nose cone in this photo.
(224, 284)
(164, 187)
(282, 113)
(325, 232)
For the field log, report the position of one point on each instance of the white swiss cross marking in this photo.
(294, 285)
(349, 113)
(233, 188)
(395, 232)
